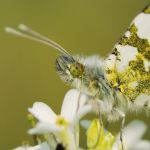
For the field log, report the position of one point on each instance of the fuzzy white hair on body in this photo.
(93, 62)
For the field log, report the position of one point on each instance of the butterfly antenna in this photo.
(28, 33)
(31, 32)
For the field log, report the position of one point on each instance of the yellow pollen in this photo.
(61, 121)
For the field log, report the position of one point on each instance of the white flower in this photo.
(42, 146)
(132, 135)
(63, 126)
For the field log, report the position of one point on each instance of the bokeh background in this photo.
(27, 71)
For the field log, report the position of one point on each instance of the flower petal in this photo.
(42, 112)
(42, 128)
(67, 138)
(71, 104)
(142, 145)
(131, 134)
(21, 148)
(42, 146)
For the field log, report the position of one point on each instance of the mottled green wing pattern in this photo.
(128, 66)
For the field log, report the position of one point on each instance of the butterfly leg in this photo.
(121, 130)
(107, 124)
(146, 107)
(122, 116)
(100, 118)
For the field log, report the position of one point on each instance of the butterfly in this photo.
(119, 83)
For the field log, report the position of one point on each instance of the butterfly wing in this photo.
(128, 66)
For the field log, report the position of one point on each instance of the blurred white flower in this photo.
(132, 137)
(64, 126)
(42, 146)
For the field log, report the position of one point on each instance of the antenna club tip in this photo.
(7, 29)
(22, 27)
(11, 30)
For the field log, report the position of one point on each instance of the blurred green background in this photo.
(27, 71)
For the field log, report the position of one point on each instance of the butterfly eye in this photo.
(76, 70)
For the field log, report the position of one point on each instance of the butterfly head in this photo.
(69, 68)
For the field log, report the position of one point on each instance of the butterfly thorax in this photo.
(87, 74)
(94, 83)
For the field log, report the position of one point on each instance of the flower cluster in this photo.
(53, 131)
